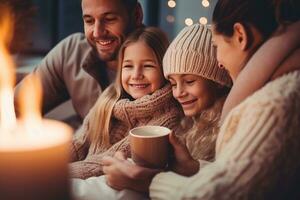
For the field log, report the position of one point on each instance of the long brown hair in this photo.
(101, 114)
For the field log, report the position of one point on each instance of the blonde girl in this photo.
(139, 96)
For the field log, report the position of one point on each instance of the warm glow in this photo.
(203, 20)
(205, 3)
(7, 78)
(171, 4)
(188, 21)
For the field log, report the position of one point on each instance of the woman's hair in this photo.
(287, 10)
(101, 114)
(257, 13)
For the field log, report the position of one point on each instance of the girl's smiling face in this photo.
(193, 92)
(141, 73)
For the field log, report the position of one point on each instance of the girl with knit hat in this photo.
(200, 86)
(139, 96)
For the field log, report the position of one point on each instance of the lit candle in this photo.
(34, 166)
(34, 153)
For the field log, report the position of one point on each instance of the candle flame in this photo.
(30, 100)
(30, 132)
(6, 24)
(7, 78)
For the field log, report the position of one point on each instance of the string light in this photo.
(188, 21)
(205, 3)
(170, 18)
(203, 20)
(171, 3)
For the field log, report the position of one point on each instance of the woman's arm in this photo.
(263, 65)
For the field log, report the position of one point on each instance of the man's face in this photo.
(106, 24)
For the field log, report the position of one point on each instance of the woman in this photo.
(258, 144)
(265, 64)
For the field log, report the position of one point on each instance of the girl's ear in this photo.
(240, 36)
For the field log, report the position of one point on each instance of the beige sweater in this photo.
(257, 154)
(160, 108)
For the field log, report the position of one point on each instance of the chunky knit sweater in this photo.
(160, 108)
(257, 154)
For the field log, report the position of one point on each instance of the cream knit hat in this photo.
(191, 52)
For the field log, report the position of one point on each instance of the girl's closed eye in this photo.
(173, 85)
(149, 66)
(190, 82)
(127, 66)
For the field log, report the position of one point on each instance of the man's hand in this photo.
(184, 164)
(121, 173)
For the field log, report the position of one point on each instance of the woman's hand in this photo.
(121, 173)
(183, 164)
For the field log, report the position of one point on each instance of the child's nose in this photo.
(137, 74)
(179, 92)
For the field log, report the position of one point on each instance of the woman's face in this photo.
(193, 92)
(230, 53)
(141, 73)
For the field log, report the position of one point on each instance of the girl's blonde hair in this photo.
(100, 116)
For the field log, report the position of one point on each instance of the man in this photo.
(82, 65)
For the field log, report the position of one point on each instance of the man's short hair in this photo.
(130, 4)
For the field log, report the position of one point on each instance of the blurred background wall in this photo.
(53, 20)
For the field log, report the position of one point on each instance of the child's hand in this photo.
(184, 164)
(121, 173)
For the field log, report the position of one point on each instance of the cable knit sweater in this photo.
(200, 139)
(257, 154)
(160, 108)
